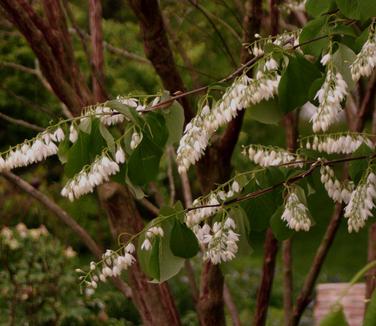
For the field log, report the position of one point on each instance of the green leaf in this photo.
(279, 227)
(342, 59)
(260, 209)
(367, 9)
(357, 9)
(130, 113)
(174, 117)
(370, 317)
(160, 263)
(143, 163)
(183, 242)
(358, 167)
(108, 138)
(154, 270)
(84, 150)
(317, 7)
(350, 8)
(295, 83)
(242, 225)
(63, 150)
(335, 318)
(267, 112)
(85, 125)
(310, 34)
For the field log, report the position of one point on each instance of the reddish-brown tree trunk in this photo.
(157, 48)
(95, 12)
(266, 284)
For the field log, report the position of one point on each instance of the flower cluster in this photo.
(135, 140)
(338, 144)
(97, 173)
(243, 92)
(212, 203)
(265, 156)
(112, 265)
(330, 96)
(361, 203)
(32, 151)
(10, 237)
(155, 231)
(220, 241)
(296, 213)
(285, 40)
(365, 61)
(338, 191)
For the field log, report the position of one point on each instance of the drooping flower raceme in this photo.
(338, 191)
(330, 95)
(89, 178)
(220, 241)
(112, 265)
(361, 203)
(266, 156)
(365, 61)
(243, 92)
(212, 203)
(296, 213)
(32, 151)
(338, 144)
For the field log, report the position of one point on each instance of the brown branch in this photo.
(251, 25)
(20, 122)
(149, 206)
(66, 219)
(264, 291)
(95, 11)
(304, 297)
(183, 53)
(157, 48)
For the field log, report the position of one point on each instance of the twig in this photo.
(216, 30)
(20, 122)
(149, 206)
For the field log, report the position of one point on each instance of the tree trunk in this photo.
(265, 289)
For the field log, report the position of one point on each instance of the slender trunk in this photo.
(266, 284)
(95, 12)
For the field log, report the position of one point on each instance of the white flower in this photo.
(325, 59)
(365, 61)
(112, 265)
(135, 140)
(296, 214)
(361, 203)
(338, 191)
(338, 144)
(119, 155)
(86, 180)
(220, 241)
(73, 134)
(265, 156)
(242, 93)
(330, 95)
(146, 245)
